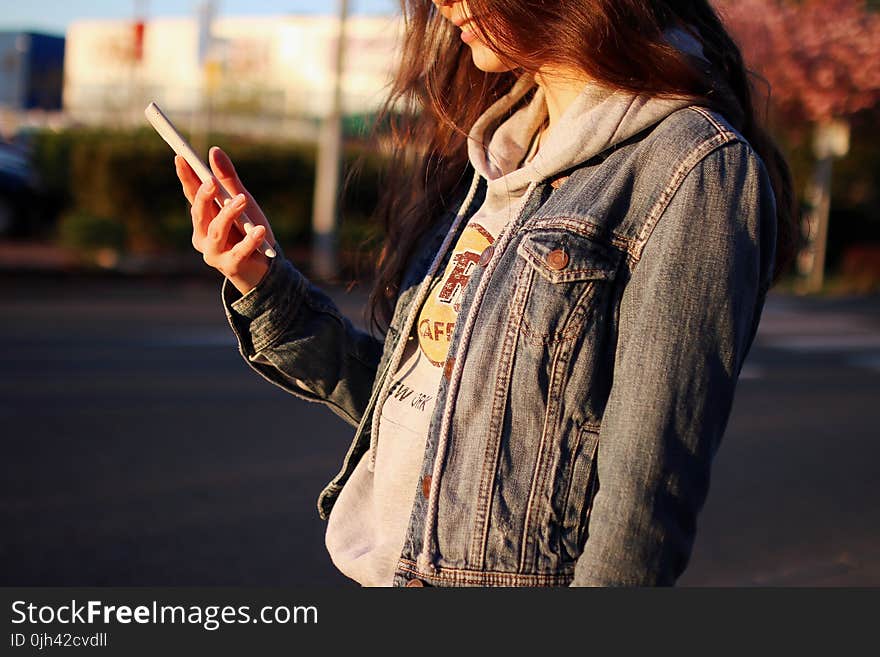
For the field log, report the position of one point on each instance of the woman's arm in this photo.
(294, 335)
(287, 329)
(687, 320)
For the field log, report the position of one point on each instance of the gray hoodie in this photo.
(598, 119)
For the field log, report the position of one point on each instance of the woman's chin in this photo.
(486, 60)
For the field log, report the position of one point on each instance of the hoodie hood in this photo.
(598, 119)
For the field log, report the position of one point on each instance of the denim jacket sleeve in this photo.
(687, 319)
(293, 334)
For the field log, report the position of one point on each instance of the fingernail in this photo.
(239, 200)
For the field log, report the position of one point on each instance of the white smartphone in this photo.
(170, 134)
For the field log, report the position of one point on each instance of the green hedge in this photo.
(125, 182)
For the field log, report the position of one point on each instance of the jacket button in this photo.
(486, 255)
(447, 368)
(557, 259)
(426, 486)
(415, 582)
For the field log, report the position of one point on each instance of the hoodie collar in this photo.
(597, 120)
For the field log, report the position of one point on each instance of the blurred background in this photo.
(139, 449)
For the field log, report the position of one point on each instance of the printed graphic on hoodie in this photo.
(437, 318)
(411, 396)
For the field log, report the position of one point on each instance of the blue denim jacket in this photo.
(591, 371)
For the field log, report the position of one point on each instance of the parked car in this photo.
(18, 189)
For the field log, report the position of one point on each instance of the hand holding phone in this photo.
(180, 146)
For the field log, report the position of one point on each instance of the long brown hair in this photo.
(438, 93)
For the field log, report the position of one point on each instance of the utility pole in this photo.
(135, 83)
(200, 127)
(324, 216)
(830, 141)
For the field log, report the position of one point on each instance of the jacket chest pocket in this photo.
(569, 276)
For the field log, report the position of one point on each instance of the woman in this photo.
(584, 225)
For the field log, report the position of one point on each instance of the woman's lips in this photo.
(463, 23)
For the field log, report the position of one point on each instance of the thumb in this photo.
(225, 171)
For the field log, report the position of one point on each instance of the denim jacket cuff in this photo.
(258, 300)
(258, 317)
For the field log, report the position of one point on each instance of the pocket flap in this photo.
(563, 256)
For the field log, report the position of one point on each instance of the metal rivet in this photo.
(447, 368)
(486, 255)
(426, 486)
(415, 583)
(557, 259)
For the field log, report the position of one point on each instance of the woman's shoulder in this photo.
(686, 136)
(648, 166)
(694, 152)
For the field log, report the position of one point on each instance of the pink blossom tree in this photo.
(822, 61)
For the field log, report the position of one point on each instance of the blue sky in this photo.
(55, 15)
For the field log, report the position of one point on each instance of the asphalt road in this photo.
(139, 449)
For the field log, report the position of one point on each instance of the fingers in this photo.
(217, 234)
(212, 226)
(225, 172)
(235, 262)
(188, 178)
(204, 208)
(243, 250)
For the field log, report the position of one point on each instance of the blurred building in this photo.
(259, 67)
(31, 71)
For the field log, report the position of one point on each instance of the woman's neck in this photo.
(561, 87)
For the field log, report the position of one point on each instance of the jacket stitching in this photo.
(569, 481)
(496, 423)
(483, 577)
(455, 379)
(562, 276)
(711, 119)
(587, 447)
(573, 325)
(687, 165)
(542, 465)
(582, 228)
(634, 247)
(552, 337)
